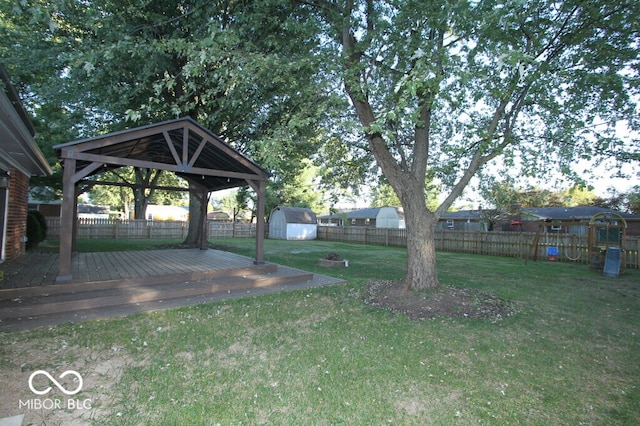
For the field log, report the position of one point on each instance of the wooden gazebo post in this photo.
(67, 215)
(260, 188)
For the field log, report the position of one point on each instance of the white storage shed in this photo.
(390, 217)
(292, 223)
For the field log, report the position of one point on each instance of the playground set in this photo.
(606, 232)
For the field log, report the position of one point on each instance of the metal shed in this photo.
(293, 223)
(390, 217)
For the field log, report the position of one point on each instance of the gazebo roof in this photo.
(182, 146)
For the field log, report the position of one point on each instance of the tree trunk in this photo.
(147, 178)
(139, 204)
(421, 248)
(194, 236)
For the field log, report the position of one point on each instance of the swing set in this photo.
(606, 233)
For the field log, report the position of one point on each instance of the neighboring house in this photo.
(574, 220)
(360, 217)
(90, 211)
(378, 217)
(463, 220)
(571, 220)
(292, 223)
(47, 208)
(20, 158)
(218, 216)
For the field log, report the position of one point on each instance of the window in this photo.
(609, 235)
(450, 223)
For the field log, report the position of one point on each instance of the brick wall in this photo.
(17, 215)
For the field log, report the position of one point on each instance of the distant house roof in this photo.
(463, 215)
(297, 214)
(93, 209)
(571, 213)
(218, 215)
(369, 213)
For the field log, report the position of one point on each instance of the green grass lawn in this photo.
(321, 357)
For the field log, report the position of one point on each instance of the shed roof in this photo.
(297, 214)
(182, 146)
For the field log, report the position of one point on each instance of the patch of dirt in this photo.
(100, 371)
(445, 302)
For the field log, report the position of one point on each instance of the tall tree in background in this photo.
(624, 201)
(444, 88)
(240, 68)
(125, 192)
(506, 193)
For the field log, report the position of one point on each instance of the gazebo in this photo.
(181, 146)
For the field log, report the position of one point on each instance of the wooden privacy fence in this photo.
(572, 248)
(145, 229)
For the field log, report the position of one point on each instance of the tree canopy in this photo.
(239, 68)
(443, 89)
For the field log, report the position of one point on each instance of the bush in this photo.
(36, 229)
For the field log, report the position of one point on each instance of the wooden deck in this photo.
(119, 283)
(38, 269)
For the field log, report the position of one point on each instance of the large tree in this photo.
(240, 68)
(444, 88)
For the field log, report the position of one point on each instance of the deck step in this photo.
(130, 295)
(91, 286)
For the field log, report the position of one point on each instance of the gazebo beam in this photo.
(119, 161)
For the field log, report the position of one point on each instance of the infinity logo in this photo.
(55, 382)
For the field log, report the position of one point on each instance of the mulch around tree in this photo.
(445, 302)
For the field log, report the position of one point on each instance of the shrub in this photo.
(36, 229)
